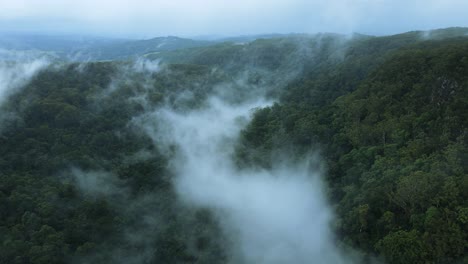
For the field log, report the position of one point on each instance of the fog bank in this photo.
(271, 216)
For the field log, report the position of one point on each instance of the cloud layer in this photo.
(143, 18)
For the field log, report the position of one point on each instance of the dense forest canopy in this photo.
(384, 118)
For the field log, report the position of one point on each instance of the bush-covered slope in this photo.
(396, 149)
(70, 137)
(389, 116)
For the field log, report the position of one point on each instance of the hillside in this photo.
(396, 150)
(97, 159)
(124, 50)
(84, 48)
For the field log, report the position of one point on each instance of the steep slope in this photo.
(84, 177)
(70, 159)
(396, 148)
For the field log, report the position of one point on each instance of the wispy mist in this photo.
(271, 216)
(279, 215)
(15, 74)
(142, 213)
(98, 183)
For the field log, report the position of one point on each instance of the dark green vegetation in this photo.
(389, 115)
(395, 143)
(71, 128)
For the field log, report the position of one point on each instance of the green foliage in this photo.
(69, 117)
(389, 115)
(394, 135)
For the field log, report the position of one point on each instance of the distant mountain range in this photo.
(82, 48)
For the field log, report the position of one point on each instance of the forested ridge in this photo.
(388, 116)
(396, 150)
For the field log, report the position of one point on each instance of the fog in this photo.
(15, 74)
(270, 216)
(98, 183)
(151, 138)
(265, 216)
(144, 19)
(144, 221)
(16, 70)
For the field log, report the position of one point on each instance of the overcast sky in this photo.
(149, 18)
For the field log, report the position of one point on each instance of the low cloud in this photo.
(14, 75)
(142, 18)
(271, 216)
(97, 183)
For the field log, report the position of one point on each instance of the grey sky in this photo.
(148, 18)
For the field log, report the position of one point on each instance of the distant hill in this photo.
(85, 48)
(121, 50)
(91, 48)
(62, 46)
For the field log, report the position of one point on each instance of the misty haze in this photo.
(237, 132)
